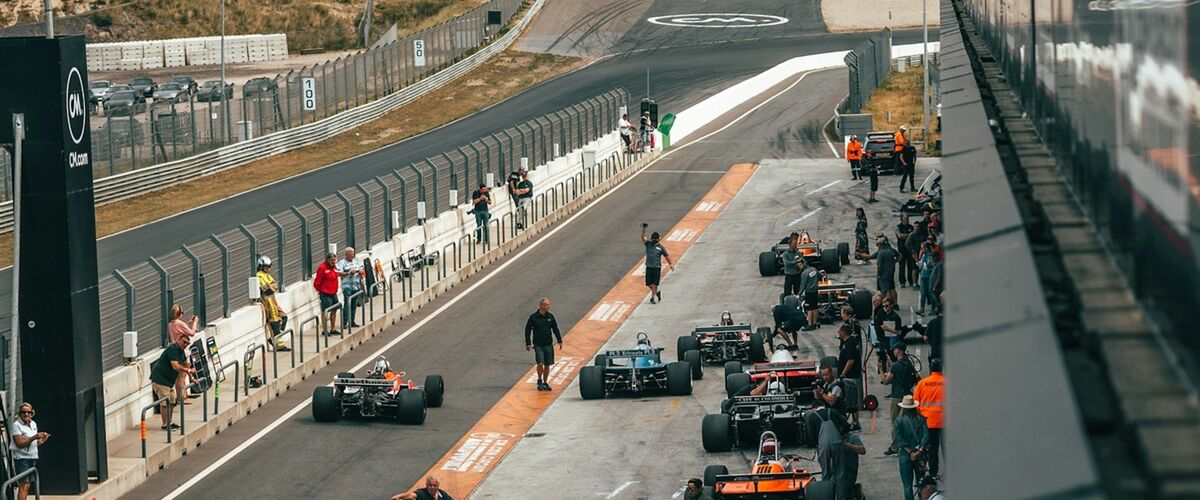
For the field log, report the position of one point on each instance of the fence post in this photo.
(387, 207)
(512, 162)
(367, 213)
(436, 195)
(479, 177)
(253, 248)
(195, 277)
(224, 274)
(521, 134)
(453, 176)
(499, 156)
(324, 222)
(130, 298)
(350, 241)
(287, 98)
(280, 236)
(164, 284)
(306, 250)
(403, 201)
(467, 170)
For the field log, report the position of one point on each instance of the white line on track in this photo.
(722, 172)
(304, 404)
(617, 491)
(805, 216)
(822, 188)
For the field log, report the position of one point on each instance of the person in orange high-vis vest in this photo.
(901, 141)
(854, 153)
(929, 397)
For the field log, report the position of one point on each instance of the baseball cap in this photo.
(926, 481)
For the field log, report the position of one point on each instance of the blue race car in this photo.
(638, 370)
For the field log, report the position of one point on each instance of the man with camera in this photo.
(523, 190)
(481, 198)
(655, 253)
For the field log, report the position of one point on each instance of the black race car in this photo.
(638, 370)
(832, 296)
(381, 393)
(749, 416)
(830, 260)
(725, 342)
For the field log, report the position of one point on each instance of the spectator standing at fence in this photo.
(178, 328)
(930, 399)
(524, 190)
(644, 128)
(326, 284)
(514, 178)
(626, 129)
(482, 199)
(655, 253)
(24, 446)
(908, 431)
(165, 372)
(274, 315)
(854, 154)
(541, 330)
(351, 273)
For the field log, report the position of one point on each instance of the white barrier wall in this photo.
(151, 54)
(126, 389)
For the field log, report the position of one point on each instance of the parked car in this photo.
(189, 84)
(145, 85)
(261, 86)
(170, 93)
(99, 90)
(125, 103)
(210, 91)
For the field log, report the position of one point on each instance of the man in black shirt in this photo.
(789, 319)
(908, 264)
(524, 193)
(887, 331)
(850, 368)
(481, 198)
(165, 373)
(902, 376)
(541, 330)
(431, 491)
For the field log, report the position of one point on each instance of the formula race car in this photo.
(773, 475)
(638, 370)
(927, 197)
(829, 260)
(747, 417)
(725, 342)
(832, 296)
(796, 377)
(381, 393)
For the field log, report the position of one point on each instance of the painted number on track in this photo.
(478, 452)
(611, 311)
(718, 20)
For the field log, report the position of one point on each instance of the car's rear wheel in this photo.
(601, 360)
(325, 405)
(758, 351)
(410, 407)
(716, 432)
(679, 378)
(768, 265)
(711, 472)
(860, 301)
(735, 382)
(684, 344)
(692, 357)
(819, 490)
(591, 382)
(435, 390)
(844, 252)
(732, 367)
(831, 262)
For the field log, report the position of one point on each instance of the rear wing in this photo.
(633, 353)
(835, 287)
(738, 328)
(363, 382)
(781, 399)
(804, 367)
(748, 484)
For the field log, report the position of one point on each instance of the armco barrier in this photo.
(140, 181)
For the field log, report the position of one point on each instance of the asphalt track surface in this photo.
(476, 343)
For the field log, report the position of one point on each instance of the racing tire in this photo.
(684, 344)
(711, 472)
(843, 249)
(732, 367)
(734, 382)
(716, 432)
(860, 301)
(679, 378)
(870, 403)
(591, 382)
(345, 375)
(410, 407)
(325, 405)
(435, 390)
(831, 262)
(601, 360)
(819, 490)
(758, 352)
(768, 265)
(692, 358)
(812, 427)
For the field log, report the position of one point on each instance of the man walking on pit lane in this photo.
(854, 153)
(655, 253)
(541, 330)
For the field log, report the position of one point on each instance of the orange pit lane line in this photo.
(477, 453)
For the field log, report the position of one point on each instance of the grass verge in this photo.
(898, 100)
(499, 78)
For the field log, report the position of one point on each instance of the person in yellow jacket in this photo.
(275, 316)
(930, 399)
(854, 154)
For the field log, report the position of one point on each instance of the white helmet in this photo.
(382, 366)
(776, 388)
(263, 260)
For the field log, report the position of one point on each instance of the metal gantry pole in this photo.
(925, 67)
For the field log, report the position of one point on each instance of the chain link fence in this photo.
(154, 131)
(868, 65)
(208, 275)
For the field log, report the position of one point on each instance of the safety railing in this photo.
(37, 483)
(248, 363)
(315, 320)
(276, 339)
(219, 377)
(142, 425)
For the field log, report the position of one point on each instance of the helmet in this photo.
(382, 366)
(903, 127)
(263, 260)
(791, 301)
(775, 388)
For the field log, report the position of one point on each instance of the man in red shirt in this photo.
(326, 283)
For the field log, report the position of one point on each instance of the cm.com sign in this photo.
(718, 20)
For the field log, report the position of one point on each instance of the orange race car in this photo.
(773, 476)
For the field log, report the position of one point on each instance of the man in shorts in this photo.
(541, 330)
(810, 281)
(24, 446)
(655, 253)
(165, 373)
(626, 132)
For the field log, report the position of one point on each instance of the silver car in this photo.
(170, 92)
